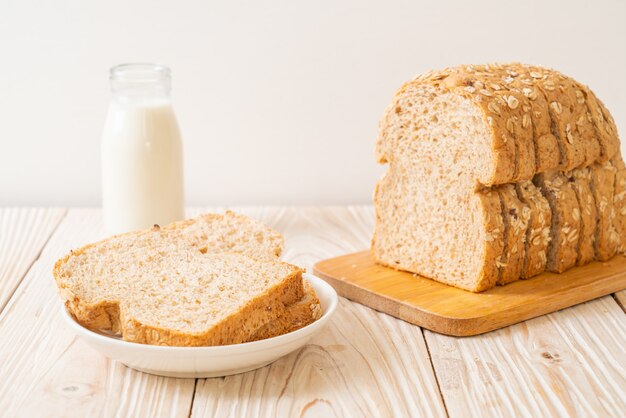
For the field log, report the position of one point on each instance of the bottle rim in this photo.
(140, 72)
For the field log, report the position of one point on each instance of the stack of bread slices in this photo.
(212, 280)
(497, 173)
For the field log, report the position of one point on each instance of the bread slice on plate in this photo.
(297, 315)
(230, 232)
(175, 286)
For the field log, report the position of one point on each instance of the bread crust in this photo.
(580, 179)
(619, 202)
(548, 154)
(563, 249)
(582, 128)
(494, 228)
(297, 315)
(603, 125)
(603, 188)
(516, 216)
(538, 232)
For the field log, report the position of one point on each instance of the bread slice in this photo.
(496, 238)
(582, 130)
(508, 108)
(563, 249)
(603, 188)
(548, 153)
(230, 232)
(516, 216)
(298, 315)
(619, 202)
(446, 89)
(560, 110)
(494, 81)
(155, 288)
(538, 231)
(580, 179)
(403, 213)
(602, 122)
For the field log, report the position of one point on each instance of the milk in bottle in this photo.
(142, 162)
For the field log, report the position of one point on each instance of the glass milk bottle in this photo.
(142, 161)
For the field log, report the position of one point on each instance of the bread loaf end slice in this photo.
(430, 218)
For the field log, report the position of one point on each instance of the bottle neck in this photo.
(140, 82)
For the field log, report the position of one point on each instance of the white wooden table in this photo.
(365, 364)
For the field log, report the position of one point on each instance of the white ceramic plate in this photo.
(209, 361)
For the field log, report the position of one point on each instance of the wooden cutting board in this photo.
(453, 311)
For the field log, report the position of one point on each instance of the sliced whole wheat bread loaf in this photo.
(176, 286)
(450, 137)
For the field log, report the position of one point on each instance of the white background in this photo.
(278, 101)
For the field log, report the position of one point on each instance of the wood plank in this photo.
(363, 364)
(621, 299)
(46, 371)
(569, 363)
(23, 233)
(453, 311)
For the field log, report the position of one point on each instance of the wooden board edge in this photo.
(465, 327)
